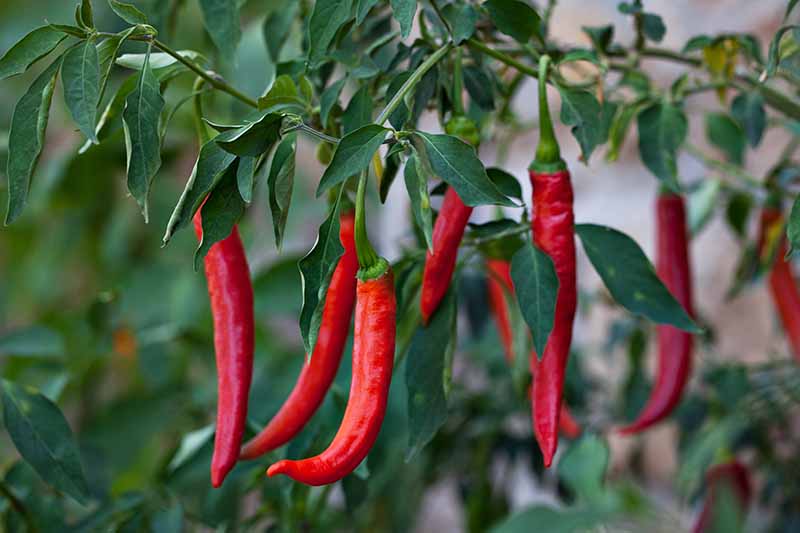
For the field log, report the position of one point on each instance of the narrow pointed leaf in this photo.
(536, 285)
(221, 212)
(221, 18)
(417, 186)
(128, 12)
(281, 185)
(80, 74)
(245, 177)
(327, 18)
(28, 50)
(353, 154)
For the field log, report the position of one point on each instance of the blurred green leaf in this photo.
(281, 185)
(33, 341)
(515, 18)
(80, 74)
(662, 130)
(221, 18)
(404, 11)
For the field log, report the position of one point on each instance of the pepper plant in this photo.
(213, 108)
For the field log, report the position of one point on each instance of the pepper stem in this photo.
(203, 135)
(367, 256)
(458, 84)
(548, 154)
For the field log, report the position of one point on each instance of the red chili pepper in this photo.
(732, 476)
(674, 345)
(231, 294)
(319, 372)
(373, 358)
(554, 233)
(499, 284)
(782, 285)
(440, 264)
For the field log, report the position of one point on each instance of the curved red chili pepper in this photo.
(732, 476)
(319, 372)
(674, 345)
(439, 265)
(782, 285)
(553, 232)
(231, 294)
(373, 358)
(499, 283)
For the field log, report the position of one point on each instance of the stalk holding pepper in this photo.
(674, 345)
(782, 286)
(319, 372)
(231, 294)
(553, 232)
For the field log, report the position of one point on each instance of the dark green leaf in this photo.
(358, 112)
(737, 213)
(551, 520)
(86, 17)
(515, 18)
(353, 154)
(316, 270)
(168, 520)
(462, 19)
(536, 285)
(221, 19)
(362, 8)
(630, 277)
(327, 18)
(428, 374)
(653, 27)
(43, 438)
(277, 27)
(283, 96)
(456, 163)
(26, 138)
(793, 226)
(505, 182)
(479, 87)
(220, 214)
(34, 341)
(748, 109)
(583, 469)
(29, 50)
(404, 11)
(211, 163)
(727, 135)
(142, 139)
(662, 130)
(253, 138)
(399, 116)
(245, 177)
(581, 110)
(601, 36)
(80, 74)
(329, 98)
(75, 31)
(417, 186)
(281, 184)
(128, 12)
(107, 51)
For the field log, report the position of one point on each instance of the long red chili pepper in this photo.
(674, 345)
(782, 285)
(731, 476)
(440, 264)
(319, 372)
(231, 294)
(553, 232)
(373, 359)
(500, 283)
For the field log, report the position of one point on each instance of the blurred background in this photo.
(118, 330)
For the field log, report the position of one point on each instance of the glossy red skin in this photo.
(373, 358)
(500, 283)
(674, 345)
(439, 265)
(231, 294)
(553, 227)
(732, 475)
(319, 372)
(782, 284)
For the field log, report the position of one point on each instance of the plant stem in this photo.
(458, 85)
(502, 57)
(441, 17)
(726, 168)
(412, 81)
(367, 256)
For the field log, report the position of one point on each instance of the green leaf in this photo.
(254, 137)
(107, 51)
(404, 11)
(157, 60)
(619, 129)
(583, 469)
(737, 212)
(26, 138)
(353, 154)
(515, 18)
(316, 270)
(220, 214)
(774, 56)
(536, 285)
(211, 163)
(505, 183)
(127, 12)
(245, 177)
(479, 86)
(417, 186)
(277, 28)
(462, 19)
(630, 277)
(428, 374)
(86, 17)
(456, 163)
(28, 50)
(362, 9)
(581, 110)
(653, 27)
(551, 520)
(281, 185)
(662, 130)
(33, 341)
(793, 226)
(142, 140)
(221, 19)
(601, 36)
(359, 110)
(702, 202)
(748, 109)
(329, 98)
(283, 96)
(43, 438)
(80, 75)
(327, 18)
(190, 446)
(727, 135)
